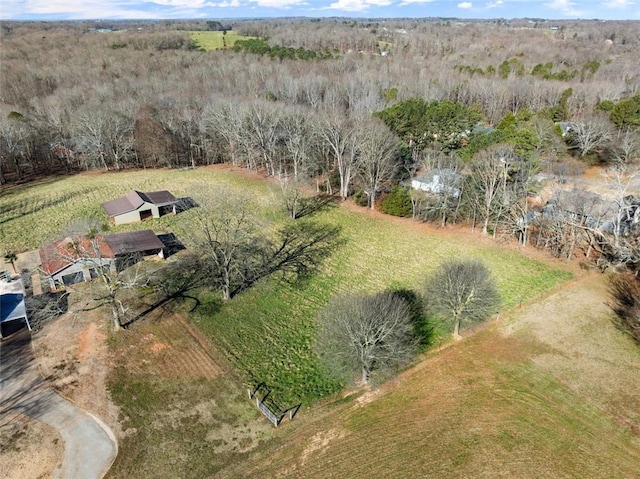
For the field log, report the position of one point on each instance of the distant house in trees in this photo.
(138, 206)
(440, 181)
(565, 127)
(77, 259)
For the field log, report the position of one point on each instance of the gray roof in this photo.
(136, 199)
(133, 242)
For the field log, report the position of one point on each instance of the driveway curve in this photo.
(89, 445)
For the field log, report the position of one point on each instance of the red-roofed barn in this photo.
(76, 259)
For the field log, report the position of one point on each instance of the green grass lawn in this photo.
(216, 40)
(267, 331)
(480, 408)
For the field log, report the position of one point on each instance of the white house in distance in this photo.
(440, 181)
(137, 206)
(77, 259)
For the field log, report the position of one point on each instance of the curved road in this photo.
(90, 447)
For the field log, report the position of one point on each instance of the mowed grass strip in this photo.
(480, 409)
(216, 40)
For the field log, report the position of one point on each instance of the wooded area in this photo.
(376, 102)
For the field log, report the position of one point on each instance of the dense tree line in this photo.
(143, 95)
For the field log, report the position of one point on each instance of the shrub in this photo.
(397, 202)
(360, 198)
(625, 293)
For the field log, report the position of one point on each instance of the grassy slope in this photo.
(268, 330)
(480, 408)
(487, 407)
(214, 40)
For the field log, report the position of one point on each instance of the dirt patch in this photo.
(170, 347)
(72, 354)
(30, 449)
(155, 347)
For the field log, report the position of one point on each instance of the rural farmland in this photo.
(410, 244)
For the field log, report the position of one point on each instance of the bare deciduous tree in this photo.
(238, 248)
(359, 334)
(489, 175)
(461, 291)
(588, 135)
(377, 163)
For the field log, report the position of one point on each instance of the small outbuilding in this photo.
(75, 259)
(13, 310)
(137, 206)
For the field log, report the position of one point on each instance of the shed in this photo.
(76, 259)
(12, 306)
(137, 206)
(145, 243)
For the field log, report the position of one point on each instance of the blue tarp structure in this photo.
(12, 307)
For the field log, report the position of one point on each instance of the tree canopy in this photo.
(420, 123)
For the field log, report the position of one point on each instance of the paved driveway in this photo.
(90, 447)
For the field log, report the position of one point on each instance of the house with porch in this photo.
(78, 259)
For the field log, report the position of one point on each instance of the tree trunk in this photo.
(456, 329)
(365, 375)
(117, 325)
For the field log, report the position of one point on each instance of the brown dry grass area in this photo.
(167, 345)
(73, 355)
(549, 391)
(30, 449)
(582, 348)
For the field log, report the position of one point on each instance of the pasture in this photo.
(267, 331)
(547, 391)
(216, 40)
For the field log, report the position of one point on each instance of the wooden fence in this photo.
(274, 414)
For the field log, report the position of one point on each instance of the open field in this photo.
(216, 40)
(550, 390)
(528, 397)
(266, 332)
(33, 214)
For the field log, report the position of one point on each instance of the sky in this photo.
(228, 9)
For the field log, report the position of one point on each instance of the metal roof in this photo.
(12, 305)
(135, 199)
(60, 254)
(133, 242)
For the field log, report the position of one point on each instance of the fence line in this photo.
(275, 417)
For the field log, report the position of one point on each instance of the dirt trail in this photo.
(90, 447)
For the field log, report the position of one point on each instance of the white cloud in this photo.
(117, 9)
(465, 5)
(278, 3)
(357, 5)
(617, 4)
(495, 4)
(409, 2)
(564, 6)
